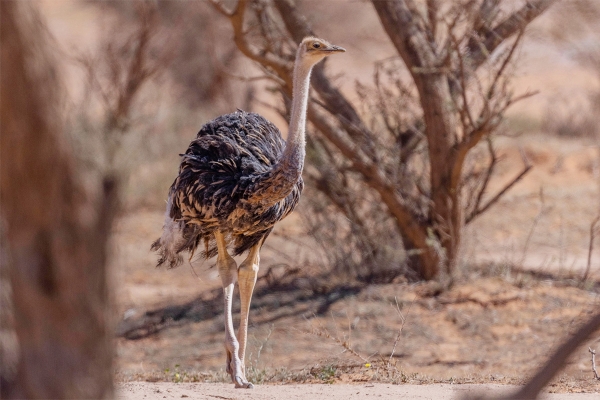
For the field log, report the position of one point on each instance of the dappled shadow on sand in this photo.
(277, 295)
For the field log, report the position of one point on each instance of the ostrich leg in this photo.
(228, 272)
(246, 280)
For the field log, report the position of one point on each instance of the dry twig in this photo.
(594, 363)
(324, 333)
(401, 327)
(478, 209)
(593, 230)
(542, 211)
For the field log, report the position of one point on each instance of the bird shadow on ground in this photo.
(274, 298)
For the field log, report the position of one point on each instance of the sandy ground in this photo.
(498, 321)
(143, 390)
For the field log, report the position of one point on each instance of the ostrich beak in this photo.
(335, 49)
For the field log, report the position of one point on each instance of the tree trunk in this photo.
(56, 236)
(446, 210)
(421, 258)
(420, 56)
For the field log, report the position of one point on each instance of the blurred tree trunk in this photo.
(56, 234)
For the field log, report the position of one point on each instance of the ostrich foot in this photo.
(237, 374)
(235, 369)
(241, 383)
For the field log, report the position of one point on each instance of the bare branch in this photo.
(487, 12)
(480, 48)
(342, 109)
(405, 33)
(403, 318)
(236, 17)
(554, 364)
(432, 17)
(479, 210)
(505, 62)
(295, 23)
(335, 102)
(372, 176)
(532, 389)
(464, 109)
(524, 96)
(486, 122)
(541, 212)
(137, 72)
(486, 179)
(593, 230)
(593, 352)
(324, 333)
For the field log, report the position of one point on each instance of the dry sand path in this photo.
(212, 391)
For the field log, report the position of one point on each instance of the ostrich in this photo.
(236, 180)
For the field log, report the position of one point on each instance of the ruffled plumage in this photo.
(222, 185)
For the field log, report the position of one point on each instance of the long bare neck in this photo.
(293, 156)
(280, 181)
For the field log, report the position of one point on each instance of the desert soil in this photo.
(514, 301)
(203, 391)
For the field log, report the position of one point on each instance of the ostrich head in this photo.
(312, 50)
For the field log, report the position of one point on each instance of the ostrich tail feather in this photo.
(169, 245)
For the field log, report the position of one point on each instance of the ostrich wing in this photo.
(224, 167)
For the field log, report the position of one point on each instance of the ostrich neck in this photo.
(293, 156)
(281, 180)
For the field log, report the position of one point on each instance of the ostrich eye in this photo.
(316, 45)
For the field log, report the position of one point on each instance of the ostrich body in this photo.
(236, 180)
